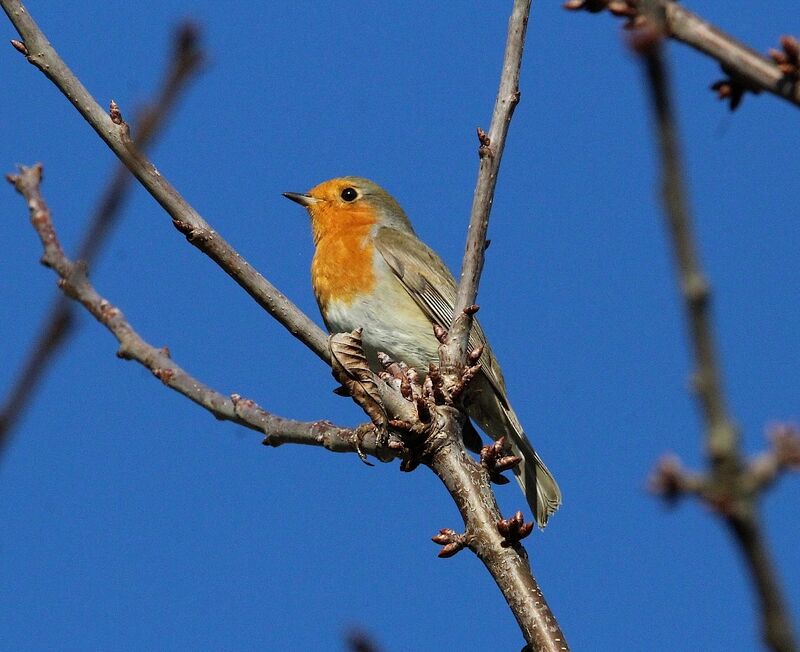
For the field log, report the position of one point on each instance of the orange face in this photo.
(339, 207)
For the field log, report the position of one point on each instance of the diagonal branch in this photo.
(728, 485)
(748, 70)
(185, 62)
(505, 558)
(75, 284)
(114, 131)
(490, 151)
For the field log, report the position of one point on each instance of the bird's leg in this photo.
(350, 367)
(413, 434)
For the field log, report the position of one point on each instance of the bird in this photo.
(371, 271)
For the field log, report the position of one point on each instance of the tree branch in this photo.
(433, 436)
(74, 283)
(504, 557)
(747, 69)
(490, 151)
(468, 483)
(728, 485)
(185, 61)
(114, 131)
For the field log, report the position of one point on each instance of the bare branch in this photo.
(723, 436)
(507, 561)
(186, 60)
(747, 70)
(726, 486)
(75, 284)
(433, 437)
(490, 151)
(114, 131)
(492, 538)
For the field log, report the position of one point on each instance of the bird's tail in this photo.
(538, 484)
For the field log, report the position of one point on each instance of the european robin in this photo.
(371, 271)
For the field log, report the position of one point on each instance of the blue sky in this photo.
(133, 520)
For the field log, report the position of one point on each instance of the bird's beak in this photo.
(301, 198)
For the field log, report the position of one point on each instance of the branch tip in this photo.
(647, 35)
(728, 89)
(495, 461)
(399, 424)
(187, 40)
(485, 144)
(667, 478)
(466, 378)
(619, 8)
(475, 354)
(423, 411)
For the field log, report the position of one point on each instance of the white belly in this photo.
(393, 324)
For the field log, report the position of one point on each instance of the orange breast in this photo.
(342, 267)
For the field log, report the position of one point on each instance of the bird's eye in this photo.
(349, 194)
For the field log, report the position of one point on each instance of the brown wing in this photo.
(433, 288)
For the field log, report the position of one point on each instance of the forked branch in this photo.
(75, 284)
(111, 127)
(187, 58)
(745, 69)
(731, 486)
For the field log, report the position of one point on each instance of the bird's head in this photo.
(347, 203)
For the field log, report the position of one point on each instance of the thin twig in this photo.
(75, 284)
(490, 151)
(747, 69)
(468, 483)
(186, 60)
(111, 127)
(726, 486)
